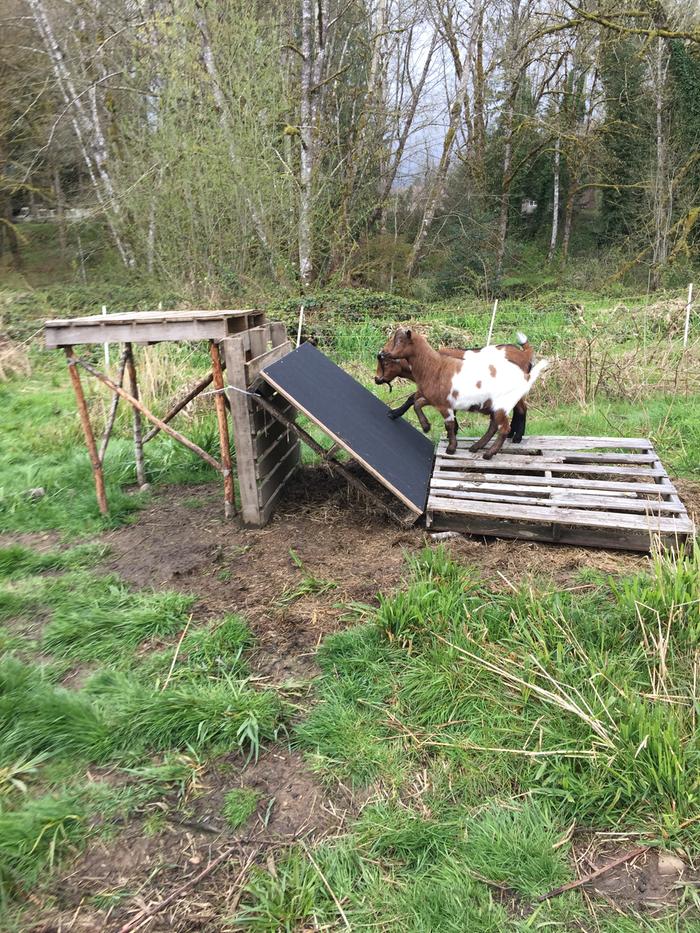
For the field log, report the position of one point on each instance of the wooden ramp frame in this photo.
(267, 451)
(595, 491)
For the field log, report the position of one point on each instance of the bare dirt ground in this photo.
(181, 541)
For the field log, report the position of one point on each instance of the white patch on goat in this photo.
(504, 389)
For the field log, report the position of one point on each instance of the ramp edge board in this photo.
(402, 433)
(560, 490)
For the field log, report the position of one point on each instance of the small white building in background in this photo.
(528, 206)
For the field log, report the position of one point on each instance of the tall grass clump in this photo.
(101, 618)
(18, 561)
(33, 837)
(224, 713)
(572, 698)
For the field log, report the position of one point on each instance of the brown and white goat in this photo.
(389, 369)
(485, 380)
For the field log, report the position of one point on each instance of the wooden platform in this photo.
(596, 491)
(149, 327)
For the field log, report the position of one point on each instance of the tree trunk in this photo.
(437, 188)
(555, 202)
(60, 212)
(568, 220)
(479, 134)
(502, 229)
(662, 201)
(306, 155)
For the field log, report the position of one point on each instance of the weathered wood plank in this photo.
(559, 442)
(256, 365)
(235, 354)
(549, 488)
(569, 500)
(447, 478)
(540, 463)
(613, 539)
(279, 474)
(561, 516)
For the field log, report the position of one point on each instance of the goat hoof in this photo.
(451, 449)
(474, 448)
(487, 455)
(426, 428)
(393, 415)
(517, 438)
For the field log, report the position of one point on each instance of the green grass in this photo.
(239, 806)
(488, 724)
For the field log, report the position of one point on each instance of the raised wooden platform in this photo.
(149, 327)
(595, 491)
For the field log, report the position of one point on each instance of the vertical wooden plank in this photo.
(87, 431)
(138, 437)
(224, 443)
(278, 333)
(235, 355)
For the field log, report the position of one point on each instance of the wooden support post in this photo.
(224, 443)
(145, 412)
(178, 406)
(329, 458)
(87, 430)
(234, 352)
(113, 409)
(138, 441)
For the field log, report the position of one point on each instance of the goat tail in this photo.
(537, 371)
(522, 339)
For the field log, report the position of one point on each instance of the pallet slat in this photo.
(560, 515)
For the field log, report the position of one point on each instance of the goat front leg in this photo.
(517, 425)
(417, 406)
(483, 441)
(395, 413)
(451, 428)
(503, 424)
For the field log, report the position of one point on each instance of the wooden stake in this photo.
(224, 442)
(493, 318)
(138, 441)
(178, 406)
(688, 307)
(87, 431)
(145, 412)
(113, 410)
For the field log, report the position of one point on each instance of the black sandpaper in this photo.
(397, 454)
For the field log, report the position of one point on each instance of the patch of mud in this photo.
(38, 540)
(650, 884)
(110, 881)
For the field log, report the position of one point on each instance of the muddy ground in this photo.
(181, 541)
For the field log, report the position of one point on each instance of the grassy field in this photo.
(484, 733)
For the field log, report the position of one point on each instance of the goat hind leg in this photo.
(484, 439)
(517, 425)
(501, 419)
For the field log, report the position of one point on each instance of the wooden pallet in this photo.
(594, 491)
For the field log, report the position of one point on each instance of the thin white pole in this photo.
(301, 321)
(493, 318)
(106, 345)
(686, 330)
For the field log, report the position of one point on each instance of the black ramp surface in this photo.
(394, 452)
